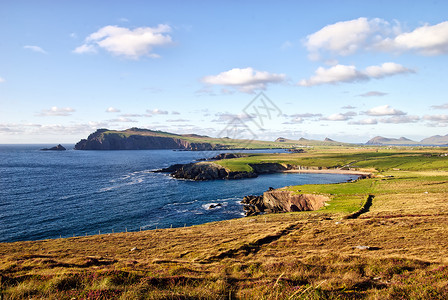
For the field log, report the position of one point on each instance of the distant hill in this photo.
(379, 140)
(433, 140)
(436, 140)
(307, 142)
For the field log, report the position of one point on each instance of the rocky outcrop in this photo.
(204, 171)
(138, 139)
(277, 201)
(300, 150)
(55, 148)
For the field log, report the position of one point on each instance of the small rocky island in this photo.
(55, 148)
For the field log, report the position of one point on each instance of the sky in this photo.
(346, 70)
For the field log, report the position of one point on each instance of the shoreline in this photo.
(329, 171)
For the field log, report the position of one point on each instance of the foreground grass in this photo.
(398, 249)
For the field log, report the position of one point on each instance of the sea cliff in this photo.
(138, 139)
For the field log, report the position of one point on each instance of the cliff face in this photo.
(276, 201)
(103, 140)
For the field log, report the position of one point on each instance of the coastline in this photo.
(329, 171)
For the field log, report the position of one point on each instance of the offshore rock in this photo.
(55, 148)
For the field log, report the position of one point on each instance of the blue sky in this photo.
(347, 70)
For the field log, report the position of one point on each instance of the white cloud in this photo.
(175, 113)
(348, 107)
(343, 73)
(427, 40)
(442, 106)
(157, 112)
(373, 94)
(35, 49)
(122, 120)
(85, 49)
(112, 110)
(401, 119)
(130, 43)
(246, 80)
(339, 117)
(228, 117)
(2, 80)
(384, 110)
(368, 121)
(436, 118)
(344, 38)
(338, 73)
(386, 69)
(57, 111)
(362, 34)
(305, 115)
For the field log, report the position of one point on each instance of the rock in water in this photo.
(55, 148)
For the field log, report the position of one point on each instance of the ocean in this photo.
(52, 194)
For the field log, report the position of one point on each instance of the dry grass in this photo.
(396, 250)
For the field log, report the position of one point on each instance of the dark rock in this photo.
(55, 148)
(296, 150)
(212, 206)
(170, 169)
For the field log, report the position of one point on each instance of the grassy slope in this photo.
(307, 255)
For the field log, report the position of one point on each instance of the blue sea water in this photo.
(52, 194)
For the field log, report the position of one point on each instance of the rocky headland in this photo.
(142, 139)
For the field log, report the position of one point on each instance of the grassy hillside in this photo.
(396, 249)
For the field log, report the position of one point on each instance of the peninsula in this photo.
(384, 237)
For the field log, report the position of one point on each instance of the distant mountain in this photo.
(307, 142)
(436, 140)
(379, 140)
